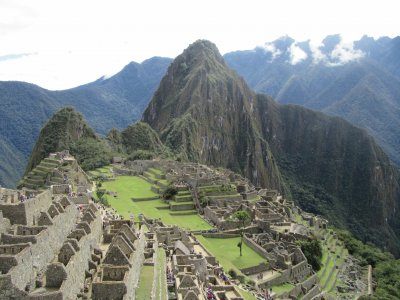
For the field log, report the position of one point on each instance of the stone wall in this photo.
(220, 235)
(103, 289)
(61, 189)
(34, 258)
(312, 293)
(4, 223)
(78, 263)
(262, 267)
(300, 271)
(260, 250)
(283, 278)
(84, 199)
(8, 290)
(27, 212)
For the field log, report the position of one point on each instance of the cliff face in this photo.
(204, 112)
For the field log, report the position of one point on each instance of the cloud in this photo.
(344, 53)
(271, 48)
(341, 54)
(296, 54)
(14, 56)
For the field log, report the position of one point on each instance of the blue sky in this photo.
(62, 44)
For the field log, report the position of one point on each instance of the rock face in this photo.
(205, 112)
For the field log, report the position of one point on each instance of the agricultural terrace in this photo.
(128, 187)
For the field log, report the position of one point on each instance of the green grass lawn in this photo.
(130, 186)
(161, 277)
(103, 171)
(282, 288)
(227, 253)
(156, 171)
(153, 176)
(133, 186)
(246, 295)
(145, 286)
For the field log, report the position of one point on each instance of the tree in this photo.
(242, 216)
(312, 250)
(169, 192)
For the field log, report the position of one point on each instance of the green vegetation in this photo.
(242, 216)
(219, 247)
(90, 153)
(246, 295)
(128, 187)
(66, 127)
(141, 155)
(312, 249)
(161, 280)
(155, 171)
(386, 269)
(145, 283)
(169, 193)
(282, 288)
(140, 136)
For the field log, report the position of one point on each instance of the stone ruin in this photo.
(57, 244)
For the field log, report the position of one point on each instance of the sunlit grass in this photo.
(227, 252)
(128, 187)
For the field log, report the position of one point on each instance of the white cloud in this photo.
(296, 54)
(344, 53)
(317, 55)
(270, 48)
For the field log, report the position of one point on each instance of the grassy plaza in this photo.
(127, 187)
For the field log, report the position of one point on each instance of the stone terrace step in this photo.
(49, 159)
(182, 206)
(35, 181)
(183, 213)
(50, 165)
(183, 198)
(36, 177)
(57, 180)
(43, 169)
(30, 186)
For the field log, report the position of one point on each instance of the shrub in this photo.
(241, 279)
(312, 250)
(141, 155)
(169, 192)
(232, 273)
(251, 282)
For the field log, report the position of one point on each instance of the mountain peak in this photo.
(199, 52)
(202, 45)
(65, 126)
(190, 82)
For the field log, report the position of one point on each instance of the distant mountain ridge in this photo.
(359, 82)
(106, 103)
(205, 112)
(285, 69)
